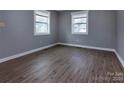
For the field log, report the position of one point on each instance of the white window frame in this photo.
(44, 13)
(76, 15)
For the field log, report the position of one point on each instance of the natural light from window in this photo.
(42, 19)
(80, 22)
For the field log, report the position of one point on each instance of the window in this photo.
(80, 22)
(41, 23)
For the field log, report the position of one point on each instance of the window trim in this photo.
(76, 15)
(47, 14)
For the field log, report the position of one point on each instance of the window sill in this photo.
(86, 33)
(40, 34)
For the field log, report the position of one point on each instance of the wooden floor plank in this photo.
(62, 64)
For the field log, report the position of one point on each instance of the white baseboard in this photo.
(89, 47)
(26, 53)
(119, 58)
(75, 45)
(97, 48)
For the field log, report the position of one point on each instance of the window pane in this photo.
(82, 30)
(82, 26)
(84, 20)
(79, 27)
(80, 20)
(41, 28)
(41, 19)
(76, 27)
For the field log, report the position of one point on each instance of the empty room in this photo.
(61, 46)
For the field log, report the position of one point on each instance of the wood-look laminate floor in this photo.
(62, 64)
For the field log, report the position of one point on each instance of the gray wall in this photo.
(120, 33)
(102, 29)
(18, 35)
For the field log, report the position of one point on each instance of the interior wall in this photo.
(120, 33)
(101, 29)
(18, 34)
